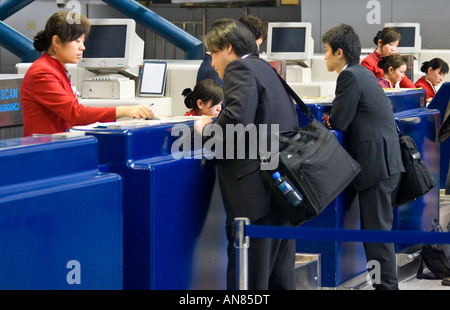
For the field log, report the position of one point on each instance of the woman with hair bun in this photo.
(205, 99)
(394, 68)
(435, 71)
(48, 96)
(387, 41)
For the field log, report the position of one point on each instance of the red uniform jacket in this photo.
(425, 84)
(49, 104)
(371, 63)
(385, 83)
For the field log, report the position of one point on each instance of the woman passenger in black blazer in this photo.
(362, 110)
(253, 96)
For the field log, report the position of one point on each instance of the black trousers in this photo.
(271, 262)
(376, 204)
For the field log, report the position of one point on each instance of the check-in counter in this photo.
(60, 218)
(11, 124)
(440, 103)
(168, 202)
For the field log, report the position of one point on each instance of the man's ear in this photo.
(340, 53)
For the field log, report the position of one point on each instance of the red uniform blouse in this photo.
(371, 63)
(49, 104)
(425, 84)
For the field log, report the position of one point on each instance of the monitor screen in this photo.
(408, 34)
(106, 41)
(289, 41)
(113, 46)
(153, 78)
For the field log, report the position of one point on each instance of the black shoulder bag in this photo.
(314, 163)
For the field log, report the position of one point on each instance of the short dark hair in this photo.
(344, 37)
(255, 25)
(228, 31)
(434, 64)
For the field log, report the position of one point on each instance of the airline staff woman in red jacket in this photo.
(435, 71)
(49, 99)
(387, 41)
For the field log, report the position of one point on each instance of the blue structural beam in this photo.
(177, 36)
(9, 7)
(17, 43)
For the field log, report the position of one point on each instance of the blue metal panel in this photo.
(165, 204)
(423, 126)
(403, 100)
(440, 103)
(59, 229)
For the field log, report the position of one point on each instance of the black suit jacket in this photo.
(253, 94)
(363, 111)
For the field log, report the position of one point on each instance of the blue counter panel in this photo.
(59, 229)
(166, 201)
(407, 99)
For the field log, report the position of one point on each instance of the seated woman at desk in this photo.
(387, 41)
(394, 68)
(435, 71)
(205, 99)
(49, 98)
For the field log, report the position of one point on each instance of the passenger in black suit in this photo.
(362, 110)
(253, 95)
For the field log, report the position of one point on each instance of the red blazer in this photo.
(425, 84)
(190, 113)
(49, 104)
(385, 83)
(371, 63)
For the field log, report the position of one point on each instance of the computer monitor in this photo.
(112, 46)
(289, 41)
(410, 42)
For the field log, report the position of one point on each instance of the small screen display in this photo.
(106, 41)
(288, 40)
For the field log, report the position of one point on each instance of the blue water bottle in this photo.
(292, 195)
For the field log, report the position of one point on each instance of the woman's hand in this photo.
(134, 111)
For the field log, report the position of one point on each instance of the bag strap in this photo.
(296, 98)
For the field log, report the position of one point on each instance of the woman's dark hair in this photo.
(204, 90)
(344, 37)
(68, 26)
(434, 64)
(225, 32)
(387, 35)
(394, 61)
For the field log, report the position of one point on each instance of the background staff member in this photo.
(362, 110)
(253, 94)
(49, 99)
(435, 71)
(387, 41)
(394, 68)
